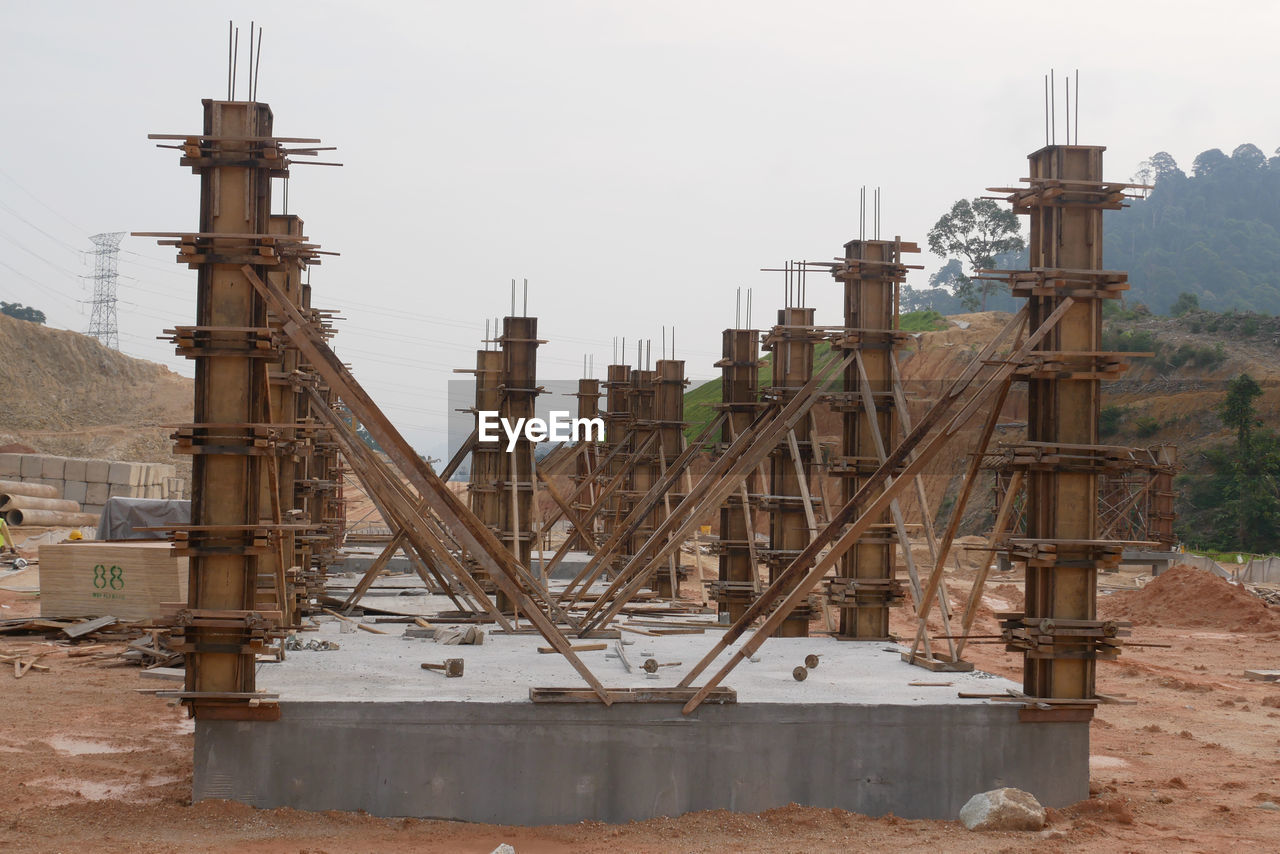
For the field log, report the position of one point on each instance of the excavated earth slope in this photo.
(64, 393)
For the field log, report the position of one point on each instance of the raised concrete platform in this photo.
(359, 558)
(569, 566)
(365, 728)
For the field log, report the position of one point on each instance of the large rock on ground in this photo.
(1003, 809)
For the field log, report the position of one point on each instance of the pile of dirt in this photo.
(67, 394)
(1185, 596)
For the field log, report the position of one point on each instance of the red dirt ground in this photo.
(89, 764)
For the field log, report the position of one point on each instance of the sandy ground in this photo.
(89, 764)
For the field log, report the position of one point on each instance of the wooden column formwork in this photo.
(792, 521)
(584, 463)
(617, 437)
(866, 584)
(738, 580)
(645, 469)
(1161, 513)
(1059, 634)
(668, 416)
(304, 488)
(280, 583)
(484, 484)
(331, 505)
(320, 472)
(519, 344)
(230, 540)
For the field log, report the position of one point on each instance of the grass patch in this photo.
(927, 320)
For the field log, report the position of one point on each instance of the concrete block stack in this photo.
(91, 482)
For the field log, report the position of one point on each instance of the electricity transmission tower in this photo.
(102, 322)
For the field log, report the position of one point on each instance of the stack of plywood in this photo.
(131, 581)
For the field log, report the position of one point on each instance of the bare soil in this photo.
(87, 763)
(66, 394)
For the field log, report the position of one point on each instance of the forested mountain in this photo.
(1214, 233)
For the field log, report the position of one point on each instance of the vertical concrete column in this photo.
(277, 571)
(588, 396)
(484, 484)
(304, 486)
(617, 429)
(668, 414)
(1162, 514)
(319, 475)
(792, 344)
(519, 393)
(222, 545)
(644, 465)
(737, 582)
(1062, 502)
(867, 584)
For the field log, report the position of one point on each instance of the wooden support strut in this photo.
(980, 580)
(953, 527)
(400, 540)
(389, 495)
(799, 578)
(747, 451)
(589, 573)
(475, 537)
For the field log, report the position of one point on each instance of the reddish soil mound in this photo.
(1185, 596)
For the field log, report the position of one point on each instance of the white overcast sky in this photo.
(636, 161)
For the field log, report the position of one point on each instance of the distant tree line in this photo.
(1232, 491)
(1213, 235)
(1209, 240)
(21, 312)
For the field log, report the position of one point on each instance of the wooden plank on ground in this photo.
(581, 647)
(719, 695)
(89, 626)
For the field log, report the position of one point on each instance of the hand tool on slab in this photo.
(451, 666)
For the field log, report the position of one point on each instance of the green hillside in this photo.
(1214, 233)
(700, 400)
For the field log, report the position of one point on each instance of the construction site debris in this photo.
(455, 635)
(452, 667)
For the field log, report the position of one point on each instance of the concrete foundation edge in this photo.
(530, 764)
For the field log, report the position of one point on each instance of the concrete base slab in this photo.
(365, 728)
(359, 558)
(569, 566)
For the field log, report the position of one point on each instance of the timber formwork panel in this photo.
(866, 584)
(584, 463)
(792, 521)
(519, 344)
(487, 466)
(222, 631)
(279, 576)
(1160, 509)
(738, 579)
(1064, 547)
(668, 416)
(644, 466)
(617, 436)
